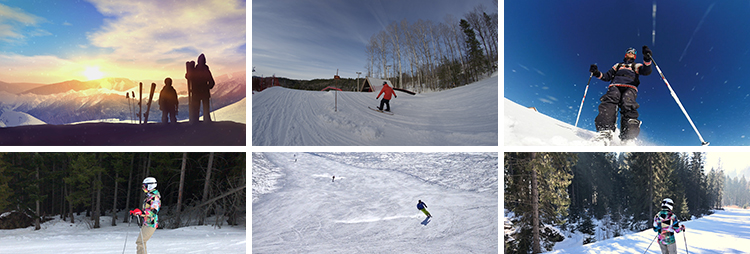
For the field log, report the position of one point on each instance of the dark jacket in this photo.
(168, 99)
(201, 79)
(421, 205)
(627, 74)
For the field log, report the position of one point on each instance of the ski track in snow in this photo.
(461, 116)
(368, 211)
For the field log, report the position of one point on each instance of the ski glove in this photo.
(136, 212)
(646, 54)
(594, 70)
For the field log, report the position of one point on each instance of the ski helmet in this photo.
(149, 184)
(631, 51)
(667, 203)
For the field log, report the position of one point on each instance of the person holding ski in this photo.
(168, 103)
(386, 91)
(666, 224)
(148, 215)
(423, 207)
(622, 92)
(202, 82)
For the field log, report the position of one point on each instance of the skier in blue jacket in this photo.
(423, 207)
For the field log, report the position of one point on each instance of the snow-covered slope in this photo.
(371, 205)
(524, 126)
(10, 118)
(723, 232)
(235, 112)
(461, 116)
(59, 236)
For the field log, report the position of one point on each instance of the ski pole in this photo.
(649, 245)
(584, 98)
(674, 95)
(685, 238)
(126, 235)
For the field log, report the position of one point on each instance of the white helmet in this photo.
(667, 203)
(149, 184)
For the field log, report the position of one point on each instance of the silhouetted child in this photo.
(168, 103)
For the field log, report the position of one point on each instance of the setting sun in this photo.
(93, 73)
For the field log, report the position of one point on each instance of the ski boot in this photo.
(604, 137)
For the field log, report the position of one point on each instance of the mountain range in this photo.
(108, 98)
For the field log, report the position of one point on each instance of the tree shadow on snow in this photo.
(426, 221)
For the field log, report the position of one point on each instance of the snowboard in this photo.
(148, 104)
(381, 111)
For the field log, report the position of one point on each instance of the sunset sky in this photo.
(55, 41)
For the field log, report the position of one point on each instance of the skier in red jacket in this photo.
(387, 91)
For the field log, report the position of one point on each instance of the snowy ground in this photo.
(371, 206)
(463, 116)
(723, 232)
(59, 236)
(525, 127)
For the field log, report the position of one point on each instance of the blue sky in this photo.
(55, 41)
(311, 39)
(701, 47)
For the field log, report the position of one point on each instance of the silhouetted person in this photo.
(333, 178)
(201, 82)
(168, 103)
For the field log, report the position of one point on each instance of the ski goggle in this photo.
(631, 51)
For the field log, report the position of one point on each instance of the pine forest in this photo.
(546, 193)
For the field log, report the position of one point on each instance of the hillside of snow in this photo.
(524, 126)
(58, 236)
(463, 116)
(371, 205)
(9, 118)
(723, 232)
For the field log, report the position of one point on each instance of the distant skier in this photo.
(666, 224)
(622, 92)
(168, 102)
(386, 91)
(333, 178)
(423, 207)
(150, 219)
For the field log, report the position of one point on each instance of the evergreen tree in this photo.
(474, 52)
(552, 173)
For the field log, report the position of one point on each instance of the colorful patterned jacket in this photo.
(151, 206)
(666, 224)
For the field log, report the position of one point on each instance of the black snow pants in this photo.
(624, 98)
(387, 104)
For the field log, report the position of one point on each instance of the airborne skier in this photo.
(622, 92)
(666, 224)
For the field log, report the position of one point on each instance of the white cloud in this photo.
(165, 34)
(13, 20)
